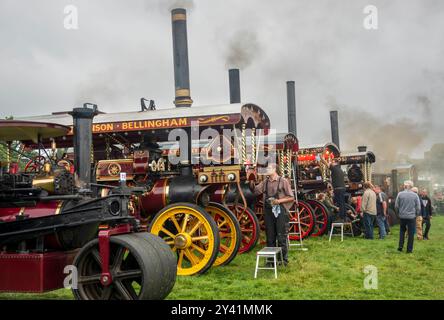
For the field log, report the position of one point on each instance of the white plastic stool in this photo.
(268, 252)
(341, 224)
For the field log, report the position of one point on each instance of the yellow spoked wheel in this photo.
(229, 232)
(191, 233)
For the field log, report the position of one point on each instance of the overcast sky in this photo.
(388, 84)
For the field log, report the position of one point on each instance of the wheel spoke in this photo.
(106, 293)
(223, 223)
(118, 258)
(185, 222)
(128, 274)
(89, 279)
(167, 233)
(96, 255)
(199, 238)
(194, 229)
(176, 224)
(127, 292)
(191, 257)
(224, 247)
(180, 260)
(198, 249)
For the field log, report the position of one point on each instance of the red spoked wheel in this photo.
(35, 165)
(249, 224)
(307, 220)
(321, 217)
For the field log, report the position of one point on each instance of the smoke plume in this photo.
(242, 49)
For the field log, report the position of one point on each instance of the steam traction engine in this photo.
(314, 177)
(184, 202)
(50, 219)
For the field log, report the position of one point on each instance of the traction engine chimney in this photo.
(180, 55)
(334, 127)
(234, 78)
(291, 108)
(82, 129)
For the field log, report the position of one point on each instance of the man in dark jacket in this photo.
(426, 212)
(338, 182)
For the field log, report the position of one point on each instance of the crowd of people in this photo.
(372, 208)
(414, 209)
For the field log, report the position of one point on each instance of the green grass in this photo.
(327, 271)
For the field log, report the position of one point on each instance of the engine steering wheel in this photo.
(35, 165)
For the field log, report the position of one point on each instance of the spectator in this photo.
(338, 183)
(408, 206)
(381, 208)
(418, 218)
(278, 198)
(426, 212)
(368, 209)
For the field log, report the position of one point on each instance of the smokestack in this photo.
(334, 127)
(291, 107)
(235, 94)
(82, 129)
(362, 148)
(180, 53)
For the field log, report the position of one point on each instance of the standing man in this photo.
(368, 209)
(426, 212)
(381, 208)
(408, 206)
(338, 183)
(278, 199)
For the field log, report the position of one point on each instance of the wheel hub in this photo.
(182, 241)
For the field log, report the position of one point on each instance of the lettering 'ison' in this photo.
(139, 125)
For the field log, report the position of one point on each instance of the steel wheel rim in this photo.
(193, 228)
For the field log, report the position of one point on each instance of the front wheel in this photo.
(191, 233)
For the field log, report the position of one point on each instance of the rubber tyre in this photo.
(140, 256)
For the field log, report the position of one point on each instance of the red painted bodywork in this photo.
(157, 198)
(33, 272)
(41, 209)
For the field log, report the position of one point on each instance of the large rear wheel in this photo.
(136, 270)
(191, 233)
(229, 232)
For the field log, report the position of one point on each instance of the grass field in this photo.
(326, 271)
